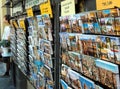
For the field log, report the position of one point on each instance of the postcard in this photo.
(40, 21)
(65, 24)
(117, 26)
(48, 75)
(48, 60)
(76, 23)
(64, 84)
(74, 61)
(47, 47)
(41, 81)
(74, 43)
(63, 40)
(108, 74)
(89, 67)
(86, 83)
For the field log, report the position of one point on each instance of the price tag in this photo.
(30, 12)
(46, 8)
(22, 24)
(67, 7)
(106, 4)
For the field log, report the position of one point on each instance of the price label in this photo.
(30, 12)
(106, 4)
(22, 24)
(46, 8)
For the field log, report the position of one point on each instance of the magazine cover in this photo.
(86, 83)
(74, 61)
(89, 67)
(74, 43)
(63, 41)
(48, 60)
(117, 26)
(65, 24)
(47, 47)
(108, 74)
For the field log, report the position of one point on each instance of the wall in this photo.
(2, 13)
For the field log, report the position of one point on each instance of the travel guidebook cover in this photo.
(108, 74)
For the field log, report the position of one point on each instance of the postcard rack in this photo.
(90, 49)
(77, 51)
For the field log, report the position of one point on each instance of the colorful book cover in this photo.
(74, 61)
(89, 67)
(86, 83)
(108, 74)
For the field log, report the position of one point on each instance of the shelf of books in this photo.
(90, 50)
(41, 51)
